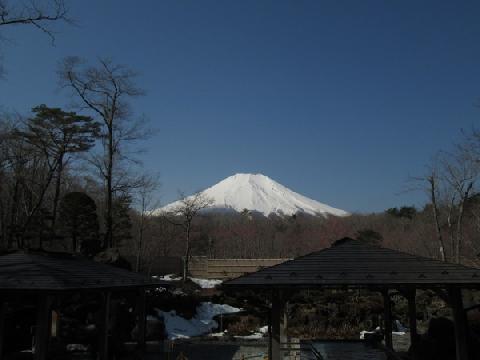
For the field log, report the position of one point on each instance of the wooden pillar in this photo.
(460, 322)
(284, 318)
(3, 314)
(42, 329)
(387, 306)
(141, 318)
(412, 315)
(103, 326)
(284, 339)
(270, 337)
(278, 311)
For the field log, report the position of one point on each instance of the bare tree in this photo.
(432, 180)
(183, 215)
(431, 183)
(106, 90)
(461, 173)
(38, 14)
(29, 173)
(144, 197)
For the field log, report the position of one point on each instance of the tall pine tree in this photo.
(58, 135)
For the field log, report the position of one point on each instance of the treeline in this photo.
(247, 235)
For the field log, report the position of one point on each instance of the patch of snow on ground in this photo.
(178, 292)
(202, 323)
(263, 329)
(206, 283)
(260, 333)
(218, 334)
(377, 331)
(168, 277)
(254, 336)
(365, 332)
(203, 283)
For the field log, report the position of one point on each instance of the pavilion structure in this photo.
(354, 264)
(44, 277)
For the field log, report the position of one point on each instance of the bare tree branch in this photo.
(38, 15)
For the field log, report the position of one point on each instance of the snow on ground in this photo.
(377, 331)
(206, 283)
(203, 283)
(260, 333)
(218, 334)
(168, 277)
(178, 327)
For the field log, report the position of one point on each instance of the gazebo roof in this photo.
(58, 272)
(356, 263)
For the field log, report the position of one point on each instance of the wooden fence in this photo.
(202, 267)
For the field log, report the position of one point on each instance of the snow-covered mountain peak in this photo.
(259, 193)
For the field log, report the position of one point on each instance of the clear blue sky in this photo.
(339, 100)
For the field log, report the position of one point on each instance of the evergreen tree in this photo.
(408, 212)
(79, 223)
(57, 135)
(370, 236)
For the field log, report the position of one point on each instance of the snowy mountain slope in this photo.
(256, 192)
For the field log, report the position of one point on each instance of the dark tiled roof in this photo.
(355, 263)
(46, 271)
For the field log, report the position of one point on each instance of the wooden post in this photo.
(278, 310)
(460, 322)
(3, 314)
(42, 329)
(284, 339)
(387, 306)
(284, 327)
(270, 334)
(103, 327)
(412, 315)
(141, 318)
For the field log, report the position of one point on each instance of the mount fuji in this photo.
(259, 193)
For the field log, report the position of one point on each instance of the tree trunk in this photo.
(39, 202)
(435, 217)
(13, 212)
(458, 244)
(187, 254)
(450, 227)
(56, 198)
(140, 237)
(109, 213)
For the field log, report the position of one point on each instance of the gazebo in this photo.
(352, 263)
(46, 276)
